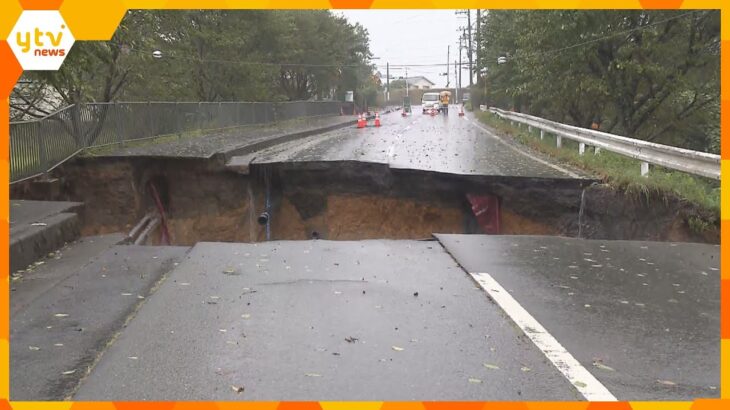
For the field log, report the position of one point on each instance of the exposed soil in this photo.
(611, 214)
(349, 201)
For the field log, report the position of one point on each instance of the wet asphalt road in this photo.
(65, 312)
(449, 144)
(321, 320)
(275, 318)
(642, 317)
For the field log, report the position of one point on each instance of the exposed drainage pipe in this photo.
(267, 212)
(132, 235)
(263, 218)
(150, 227)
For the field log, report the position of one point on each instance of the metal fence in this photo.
(38, 146)
(680, 159)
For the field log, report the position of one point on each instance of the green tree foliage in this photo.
(207, 55)
(652, 75)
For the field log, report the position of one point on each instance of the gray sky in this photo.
(412, 37)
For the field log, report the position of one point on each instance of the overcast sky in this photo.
(403, 37)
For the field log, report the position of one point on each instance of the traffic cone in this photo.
(361, 121)
(461, 111)
(377, 119)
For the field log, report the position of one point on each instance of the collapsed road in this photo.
(361, 264)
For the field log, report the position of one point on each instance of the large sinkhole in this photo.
(185, 202)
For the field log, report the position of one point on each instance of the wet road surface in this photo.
(440, 143)
(321, 320)
(65, 312)
(642, 317)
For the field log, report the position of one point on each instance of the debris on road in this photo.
(237, 389)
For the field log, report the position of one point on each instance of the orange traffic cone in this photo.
(461, 111)
(377, 119)
(361, 121)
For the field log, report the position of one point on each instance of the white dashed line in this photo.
(576, 374)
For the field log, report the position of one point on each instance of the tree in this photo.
(652, 75)
(205, 55)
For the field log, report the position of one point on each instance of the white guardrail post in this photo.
(680, 159)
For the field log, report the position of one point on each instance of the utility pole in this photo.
(478, 40)
(387, 82)
(461, 46)
(406, 81)
(448, 50)
(456, 87)
(468, 25)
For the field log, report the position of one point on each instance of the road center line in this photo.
(553, 166)
(568, 365)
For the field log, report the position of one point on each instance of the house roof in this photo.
(420, 78)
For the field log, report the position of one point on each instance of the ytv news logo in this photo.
(40, 40)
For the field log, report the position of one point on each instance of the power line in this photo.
(313, 65)
(595, 40)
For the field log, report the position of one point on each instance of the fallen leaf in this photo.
(580, 384)
(67, 372)
(602, 366)
(34, 348)
(132, 357)
(245, 316)
(473, 380)
(61, 315)
(126, 294)
(38, 224)
(491, 366)
(313, 375)
(397, 348)
(525, 369)
(58, 344)
(237, 389)
(350, 339)
(667, 382)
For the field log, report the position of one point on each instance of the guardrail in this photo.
(693, 162)
(38, 146)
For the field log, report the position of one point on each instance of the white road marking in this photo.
(391, 151)
(576, 374)
(553, 166)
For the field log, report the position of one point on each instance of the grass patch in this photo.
(621, 172)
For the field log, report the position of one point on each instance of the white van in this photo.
(429, 101)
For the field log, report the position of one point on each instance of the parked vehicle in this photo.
(430, 101)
